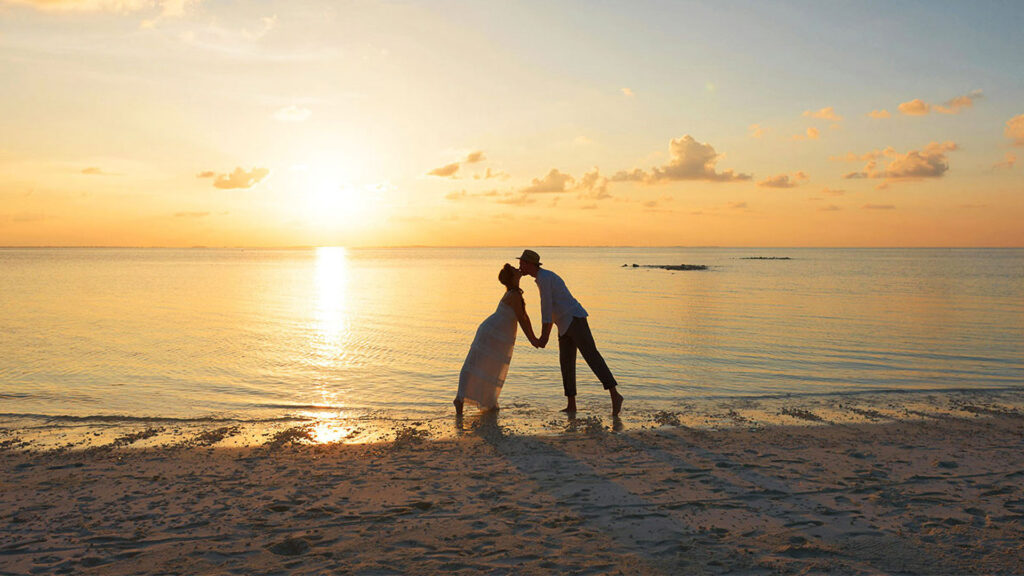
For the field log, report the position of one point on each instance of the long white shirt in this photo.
(556, 302)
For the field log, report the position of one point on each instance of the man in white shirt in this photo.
(558, 306)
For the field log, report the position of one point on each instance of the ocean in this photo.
(252, 334)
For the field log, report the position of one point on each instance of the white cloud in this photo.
(593, 185)
(241, 178)
(692, 160)
(1015, 130)
(828, 113)
(553, 182)
(784, 180)
(1008, 161)
(929, 162)
(879, 114)
(446, 171)
(627, 92)
(915, 107)
(811, 134)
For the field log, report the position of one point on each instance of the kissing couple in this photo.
(483, 373)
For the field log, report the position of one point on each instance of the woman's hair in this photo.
(506, 275)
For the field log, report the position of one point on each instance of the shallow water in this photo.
(267, 334)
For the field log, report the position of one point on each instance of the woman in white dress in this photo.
(483, 373)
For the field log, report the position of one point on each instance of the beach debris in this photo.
(665, 418)
(766, 258)
(211, 437)
(290, 436)
(673, 267)
(802, 414)
(408, 435)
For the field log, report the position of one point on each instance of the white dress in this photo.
(483, 373)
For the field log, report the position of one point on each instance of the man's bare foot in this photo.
(616, 403)
(570, 408)
(458, 405)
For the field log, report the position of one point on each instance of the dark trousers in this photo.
(578, 337)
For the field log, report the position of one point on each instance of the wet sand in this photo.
(895, 490)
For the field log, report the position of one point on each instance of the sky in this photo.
(446, 123)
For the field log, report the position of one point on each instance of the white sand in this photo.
(935, 495)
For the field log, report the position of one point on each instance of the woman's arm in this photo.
(524, 319)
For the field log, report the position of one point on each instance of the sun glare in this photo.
(335, 204)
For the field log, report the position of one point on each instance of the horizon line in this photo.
(511, 246)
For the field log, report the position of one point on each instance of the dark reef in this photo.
(668, 266)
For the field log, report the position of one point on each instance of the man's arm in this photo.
(544, 285)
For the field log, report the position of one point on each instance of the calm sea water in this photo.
(255, 334)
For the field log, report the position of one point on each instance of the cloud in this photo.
(191, 214)
(240, 178)
(783, 181)
(489, 174)
(446, 171)
(918, 107)
(831, 192)
(930, 162)
(449, 170)
(293, 113)
(756, 131)
(915, 107)
(120, 6)
(1015, 130)
(95, 171)
(457, 195)
(736, 205)
(811, 134)
(828, 113)
(1008, 161)
(627, 92)
(957, 104)
(206, 174)
(878, 207)
(692, 160)
(167, 8)
(829, 208)
(515, 199)
(593, 185)
(879, 114)
(554, 182)
(582, 141)
(634, 175)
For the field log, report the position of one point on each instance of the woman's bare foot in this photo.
(570, 407)
(458, 405)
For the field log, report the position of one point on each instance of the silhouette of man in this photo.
(558, 306)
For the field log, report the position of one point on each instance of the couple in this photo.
(486, 366)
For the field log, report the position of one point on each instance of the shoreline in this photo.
(41, 433)
(937, 494)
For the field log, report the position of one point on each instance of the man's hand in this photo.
(545, 333)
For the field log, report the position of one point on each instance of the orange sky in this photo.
(188, 122)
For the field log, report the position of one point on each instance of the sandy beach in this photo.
(937, 493)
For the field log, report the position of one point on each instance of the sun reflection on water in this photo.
(332, 321)
(331, 330)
